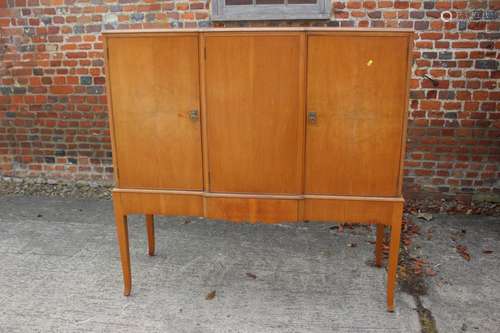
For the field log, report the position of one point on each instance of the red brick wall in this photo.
(53, 104)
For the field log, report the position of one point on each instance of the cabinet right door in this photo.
(356, 104)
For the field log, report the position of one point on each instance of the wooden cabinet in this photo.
(259, 125)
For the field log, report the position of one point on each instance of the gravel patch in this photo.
(13, 186)
(10, 186)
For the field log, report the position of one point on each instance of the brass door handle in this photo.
(194, 115)
(312, 117)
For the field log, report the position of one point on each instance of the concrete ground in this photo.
(59, 272)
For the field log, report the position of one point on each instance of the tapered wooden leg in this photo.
(379, 245)
(122, 234)
(393, 255)
(150, 227)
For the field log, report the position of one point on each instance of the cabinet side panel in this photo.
(357, 87)
(155, 87)
(109, 101)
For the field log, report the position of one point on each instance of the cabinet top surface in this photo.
(260, 29)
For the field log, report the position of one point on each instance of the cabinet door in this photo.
(356, 85)
(154, 86)
(255, 111)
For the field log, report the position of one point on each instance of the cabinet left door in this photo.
(154, 88)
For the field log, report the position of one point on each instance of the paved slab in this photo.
(465, 295)
(59, 272)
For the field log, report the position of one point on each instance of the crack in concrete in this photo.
(415, 285)
(427, 320)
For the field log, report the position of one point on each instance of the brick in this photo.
(354, 4)
(363, 24)
(446, 55)
(86, 80)
(182, 6)
(93, 28)
(95, 90)
(61, 90)
(452, 105)
(477, 74)
(197, 5)
(418, 15)
(464, 45)
(429, 4)
(137, 17)
(99, 80)
(423, 172)
(401, 4)
(76, 55)
(431, 35)
(464, 95)
(473, 84)
(486, 64)
(415, 4)
(429, 55)
(424, 44)
(465, 63)
(430, 105)
(477, 25)
(441, 45)
(421, 25)
(341, 14)
(375, 14)
(370, 4)
(405, 24)
(348, 24)
(389, 15)
(443, 95)
(443, 5)
(385, 4)
(454, 73)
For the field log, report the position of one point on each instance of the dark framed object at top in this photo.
(251, 10)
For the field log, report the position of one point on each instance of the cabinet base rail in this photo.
(382, 211)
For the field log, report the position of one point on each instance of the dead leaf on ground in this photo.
(487, 251)
(462, 250)
(210, 295)
(425, 216)
(251, 275)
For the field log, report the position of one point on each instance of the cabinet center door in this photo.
(255, 112)
(356, 85)
(154, 88)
